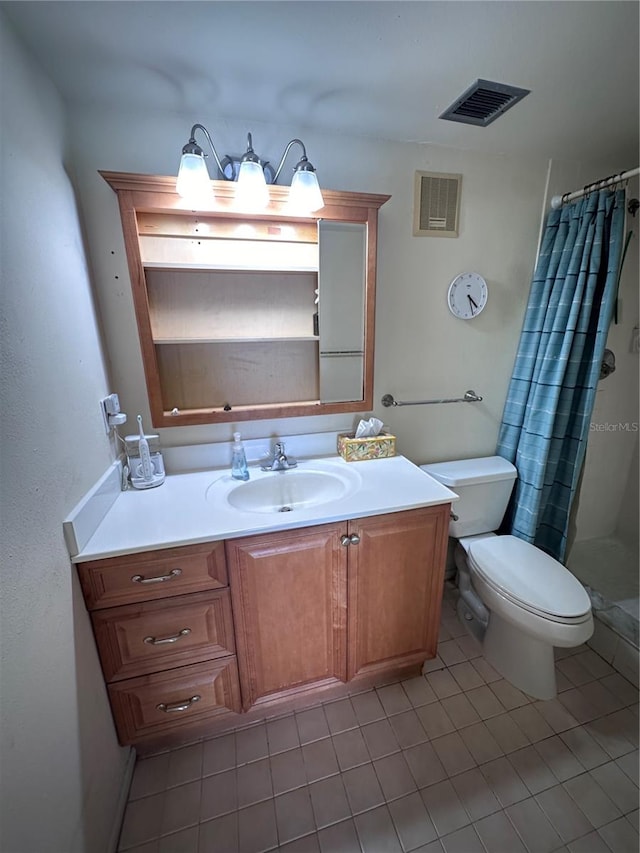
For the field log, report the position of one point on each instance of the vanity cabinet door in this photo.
(153, 574)
(396, 573)
(289, 604)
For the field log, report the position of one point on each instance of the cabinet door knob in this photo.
(163, 641)
(354, 539)
(349, 540)
(184, 705)
(159, 579)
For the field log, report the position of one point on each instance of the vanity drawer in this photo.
(166, 702)
(153, 574)
(141, 638)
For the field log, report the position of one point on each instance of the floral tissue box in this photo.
(358, 449)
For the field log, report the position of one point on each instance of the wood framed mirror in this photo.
(247, 316)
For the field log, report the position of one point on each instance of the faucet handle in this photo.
(279, 460)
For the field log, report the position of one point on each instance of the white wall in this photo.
(422, 351)
(62, 770)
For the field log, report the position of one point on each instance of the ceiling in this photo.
(383, 70)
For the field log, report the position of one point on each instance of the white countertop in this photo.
(179, 512)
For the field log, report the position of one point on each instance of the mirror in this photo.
(341, 305)
(250, 316)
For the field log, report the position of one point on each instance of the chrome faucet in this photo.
(279, 461)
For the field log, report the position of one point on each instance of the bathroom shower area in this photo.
(603, 544)
(604, 555)
(570, 422)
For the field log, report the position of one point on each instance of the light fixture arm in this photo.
(192, 146)
(302, 165)
(250, 155)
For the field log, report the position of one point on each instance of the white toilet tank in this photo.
(484, 486)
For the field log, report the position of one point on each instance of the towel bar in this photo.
(469, 397)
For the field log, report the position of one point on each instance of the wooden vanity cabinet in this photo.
(190, 637)
(338, 602)
(164, 631)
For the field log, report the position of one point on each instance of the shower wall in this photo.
(627, 529)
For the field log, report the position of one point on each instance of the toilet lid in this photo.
(529, 577)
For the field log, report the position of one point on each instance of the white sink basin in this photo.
(295, 489)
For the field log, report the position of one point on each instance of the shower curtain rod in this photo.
(558, 200)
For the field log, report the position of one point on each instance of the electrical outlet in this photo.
(109, 406)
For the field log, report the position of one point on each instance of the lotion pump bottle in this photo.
(239, 470)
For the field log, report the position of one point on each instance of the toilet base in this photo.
(467, 616)
(525, 661)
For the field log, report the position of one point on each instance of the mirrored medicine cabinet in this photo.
(248, 316)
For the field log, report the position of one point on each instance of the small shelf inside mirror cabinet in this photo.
(222, 306)
(168, 341)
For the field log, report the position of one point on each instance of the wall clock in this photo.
(467, 295)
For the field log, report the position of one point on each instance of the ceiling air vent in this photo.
(436, 204)
(483, 102)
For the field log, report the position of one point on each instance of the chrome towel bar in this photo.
(469, 397)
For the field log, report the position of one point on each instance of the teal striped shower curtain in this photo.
(545, 423)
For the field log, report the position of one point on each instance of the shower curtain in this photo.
(545, 423)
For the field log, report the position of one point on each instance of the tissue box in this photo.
(358, 449)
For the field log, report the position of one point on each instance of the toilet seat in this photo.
(529, 578)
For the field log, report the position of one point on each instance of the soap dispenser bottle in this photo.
(239, 470)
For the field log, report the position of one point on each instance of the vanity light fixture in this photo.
(251, 174)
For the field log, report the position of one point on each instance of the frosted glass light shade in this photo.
(252, 192)
(305, 195)
(193, 177)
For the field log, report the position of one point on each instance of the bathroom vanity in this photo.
(274, 611)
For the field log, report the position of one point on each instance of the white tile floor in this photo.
(457, 761)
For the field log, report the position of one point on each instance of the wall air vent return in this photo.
(436, 204)
(483, 103)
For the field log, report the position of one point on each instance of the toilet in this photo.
(517, 601)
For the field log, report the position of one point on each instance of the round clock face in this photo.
(467, 295)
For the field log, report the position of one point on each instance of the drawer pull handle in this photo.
(163, 641)
(159, 579)
(178, 706)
